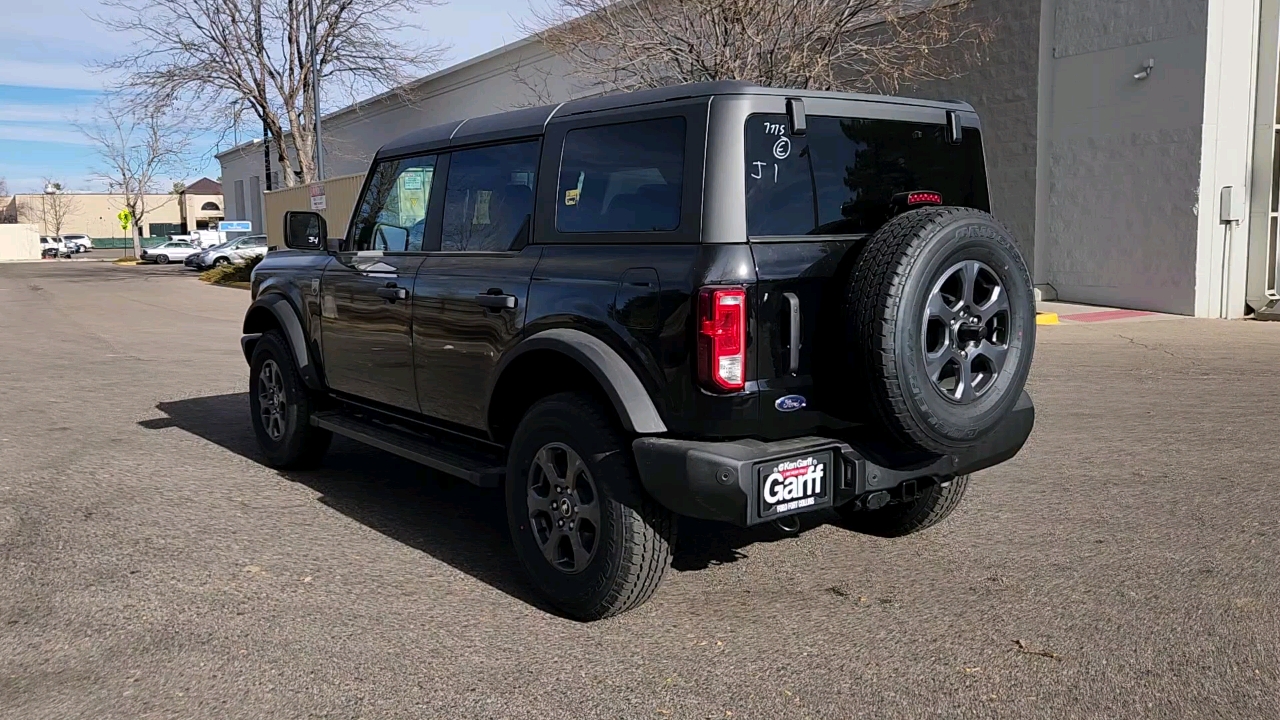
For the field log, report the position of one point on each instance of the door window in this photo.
(392, 214)
(622, 178)
(488, 201)
(840, 177)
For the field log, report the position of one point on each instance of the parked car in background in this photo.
(202, 259)
(232, 251)
(208, 238)
(167, 252)
(53, 247)
(77, 243)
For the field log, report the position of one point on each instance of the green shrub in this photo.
(227, 274)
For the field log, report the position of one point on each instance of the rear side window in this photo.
(488, 202)
(839, 178)
(622, 178)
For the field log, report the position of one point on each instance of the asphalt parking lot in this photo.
(1125, 565)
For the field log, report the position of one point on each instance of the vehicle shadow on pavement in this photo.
(447, 518)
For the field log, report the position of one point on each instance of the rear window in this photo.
(622, 178)
(839, 178)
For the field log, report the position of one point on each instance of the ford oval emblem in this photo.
(790, 403)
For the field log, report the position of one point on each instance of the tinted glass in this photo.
(855, 166)
(392, 214)
(488, 201)
(622, 178)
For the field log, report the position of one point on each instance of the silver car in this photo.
(232, 251)
(165, 252)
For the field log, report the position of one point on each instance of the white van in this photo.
(208, 238)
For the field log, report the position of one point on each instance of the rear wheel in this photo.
(593, 542)
(281, 407)
(931, 506)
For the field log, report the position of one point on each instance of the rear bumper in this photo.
(717, 480)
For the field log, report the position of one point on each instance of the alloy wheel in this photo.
(271, 400)
(966, 331)
(564, 508)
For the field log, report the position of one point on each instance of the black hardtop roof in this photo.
(532, 121)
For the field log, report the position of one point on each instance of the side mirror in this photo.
(305, 230)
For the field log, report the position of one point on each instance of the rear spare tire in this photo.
(939, 327)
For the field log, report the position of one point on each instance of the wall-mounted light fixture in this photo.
(1145, 72)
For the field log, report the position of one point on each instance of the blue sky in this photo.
(45, 86)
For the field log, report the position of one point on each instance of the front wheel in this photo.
(592, 541)
(931, 506)
(281, 407)
(219, 262)
(162, 259)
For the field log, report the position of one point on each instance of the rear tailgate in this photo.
(811, 198)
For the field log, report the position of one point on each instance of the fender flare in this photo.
(630, 399)
(287, 317)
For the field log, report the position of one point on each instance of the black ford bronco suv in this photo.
(718, 301)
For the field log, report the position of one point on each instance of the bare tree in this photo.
(8, 206)
(53, 210)
(233, 56)
(137, 147)
(864, 45)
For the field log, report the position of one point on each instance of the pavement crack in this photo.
(1157, 348)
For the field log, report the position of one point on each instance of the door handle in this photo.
(391, 292)
(496, 300)
(793, 324)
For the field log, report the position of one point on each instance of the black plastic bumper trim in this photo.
(713, 480)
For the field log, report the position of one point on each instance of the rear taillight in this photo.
(722, 338)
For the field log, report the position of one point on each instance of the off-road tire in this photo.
(929, 508)
(635, 540)
(887, 288)
(302, 445)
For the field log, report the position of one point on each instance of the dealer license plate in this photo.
(796, 484)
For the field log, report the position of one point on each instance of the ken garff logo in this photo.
(790, 403)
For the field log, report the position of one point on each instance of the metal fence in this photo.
(118, 243)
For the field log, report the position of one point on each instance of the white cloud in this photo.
(63, 75)
(38, 113)
(40, 133)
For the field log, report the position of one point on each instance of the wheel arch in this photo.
(275, 311)
(562, 359)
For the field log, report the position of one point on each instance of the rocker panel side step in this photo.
(475, 467)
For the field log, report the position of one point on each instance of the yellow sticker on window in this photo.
(571, 196)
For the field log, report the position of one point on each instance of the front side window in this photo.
(488, 200)
(622, 178)
(840, 177)
(392, 215)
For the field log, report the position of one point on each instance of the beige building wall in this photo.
(341, 194)
(93, 214)
(198, 219)
(19, 242)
